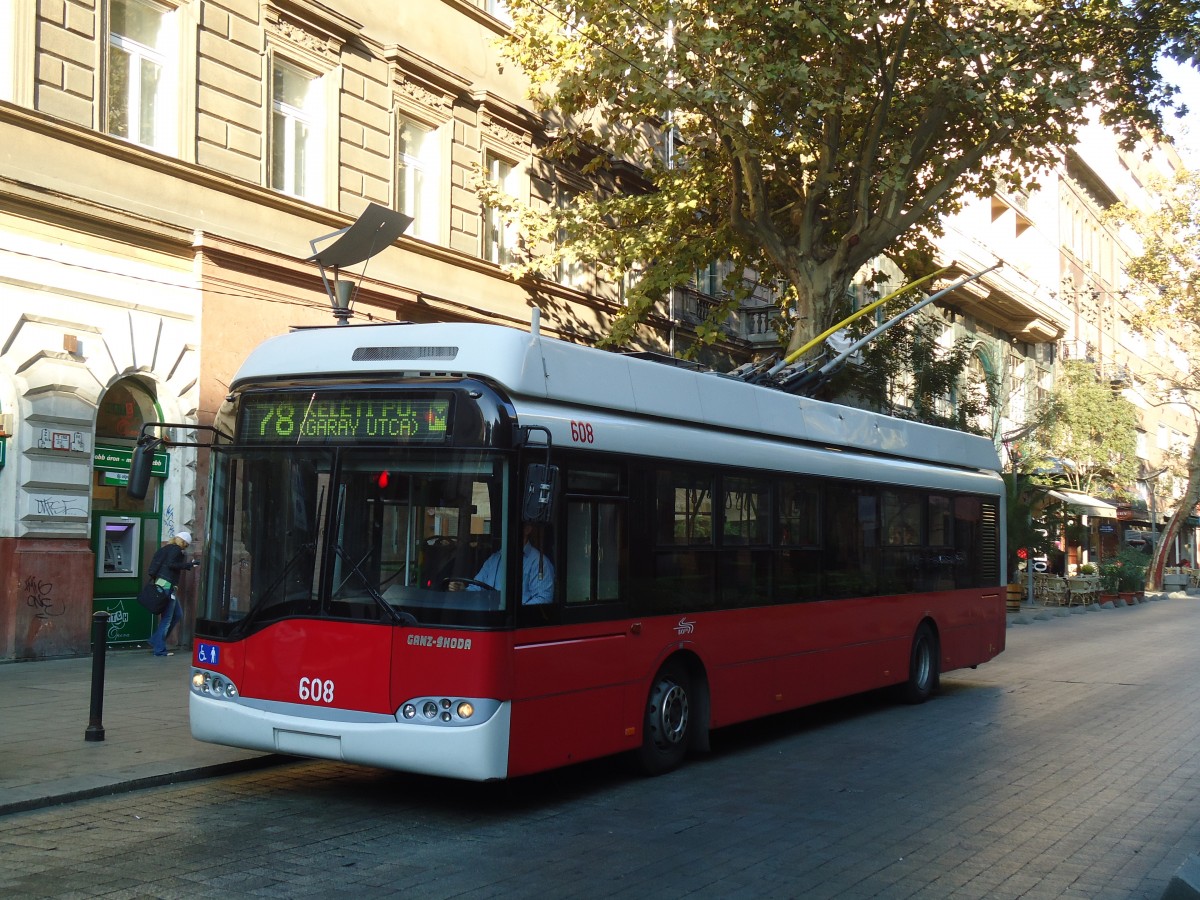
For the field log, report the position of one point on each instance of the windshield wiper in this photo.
(400, 617)
(260, 600)
(310, 547)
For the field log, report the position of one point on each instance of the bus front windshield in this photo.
(363, 534)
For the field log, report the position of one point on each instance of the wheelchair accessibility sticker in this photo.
(208, 654)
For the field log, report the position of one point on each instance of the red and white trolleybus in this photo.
(478, 552)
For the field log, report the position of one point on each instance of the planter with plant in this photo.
(1131, 578)
(1110, 579)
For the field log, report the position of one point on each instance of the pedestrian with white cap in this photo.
(167, 564)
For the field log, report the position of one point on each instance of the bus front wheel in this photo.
(667, 725)
(922, 667)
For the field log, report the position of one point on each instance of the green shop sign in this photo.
(116, 459)
(3, 450)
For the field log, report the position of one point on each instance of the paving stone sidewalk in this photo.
(44, 714)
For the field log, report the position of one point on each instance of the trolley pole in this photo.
(95, 729)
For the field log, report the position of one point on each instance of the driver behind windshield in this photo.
(537, 572)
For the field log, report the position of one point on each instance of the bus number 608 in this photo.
(581, 433)
(316, 690)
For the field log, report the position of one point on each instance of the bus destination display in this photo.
(317, 419)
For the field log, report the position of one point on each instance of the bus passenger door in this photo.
(569, 675)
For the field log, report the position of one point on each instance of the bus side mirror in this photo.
(139, 469)
(541, 485)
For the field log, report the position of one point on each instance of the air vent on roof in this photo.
(381, 354)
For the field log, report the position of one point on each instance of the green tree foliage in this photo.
(808, 137)
(1025, 531)
(1092, 436)
(1168, 267)
(908, 372)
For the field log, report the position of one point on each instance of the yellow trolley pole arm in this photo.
(796, 354)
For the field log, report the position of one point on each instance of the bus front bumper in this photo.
(473, 752)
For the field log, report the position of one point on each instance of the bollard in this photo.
(95, 729)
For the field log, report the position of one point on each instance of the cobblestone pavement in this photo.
(1068, 767)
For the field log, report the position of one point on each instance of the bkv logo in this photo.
(685, 626)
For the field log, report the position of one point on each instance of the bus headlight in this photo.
(213, 684)
(447, 711)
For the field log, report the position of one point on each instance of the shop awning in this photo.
(1084, 503)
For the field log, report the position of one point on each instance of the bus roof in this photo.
(531, 365)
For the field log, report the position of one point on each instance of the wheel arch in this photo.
(689, 660)
(928, 621)
(924, 670)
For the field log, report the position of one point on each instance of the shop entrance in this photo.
(125, 532)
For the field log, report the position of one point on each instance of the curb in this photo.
(1185, 885)
(137, 784)
(1027, 615)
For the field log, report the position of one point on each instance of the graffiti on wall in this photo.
(45, 636)
(39, 595)
(63, 505)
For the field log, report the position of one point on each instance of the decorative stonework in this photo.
(310, 27)
(506, 125)
(423, 85)
(520, 144)
(296, 34)
(421, 96)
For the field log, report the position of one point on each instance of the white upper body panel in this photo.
(582, 378)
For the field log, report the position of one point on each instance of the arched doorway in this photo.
(125, 532)
(980, 374)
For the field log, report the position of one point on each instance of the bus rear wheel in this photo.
(667, 724)
(922, 667)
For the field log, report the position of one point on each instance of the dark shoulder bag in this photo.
(151, 596)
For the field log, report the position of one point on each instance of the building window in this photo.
(8, 49)
(571, 272)
(499, 237)
(297, 135)
(708, 280)
(140, 75)
(418, 181)
(499, 9)
(629, 280)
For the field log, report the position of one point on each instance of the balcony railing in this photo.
(752, 322)
(758, 324)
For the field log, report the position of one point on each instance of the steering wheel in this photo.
(446, 582)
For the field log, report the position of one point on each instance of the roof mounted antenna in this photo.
(376, 228)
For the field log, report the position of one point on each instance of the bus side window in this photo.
(798, 555)
(903, 556)
(593, 551)
(745, 534)
(968, 519)
(851, 541)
